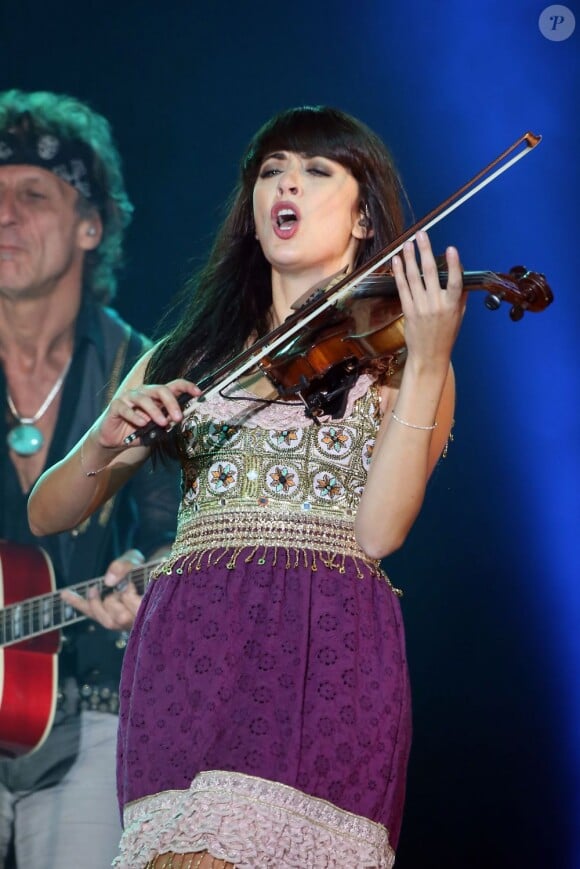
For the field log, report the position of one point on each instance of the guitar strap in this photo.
(118, 366)
(94, 541)
(137, 344)
(88, 549)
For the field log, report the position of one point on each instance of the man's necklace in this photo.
(26, 439)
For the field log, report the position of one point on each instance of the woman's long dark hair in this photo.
(229, 299)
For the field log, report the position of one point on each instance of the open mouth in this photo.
(286, 218)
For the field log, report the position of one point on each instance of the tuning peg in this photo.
(516, 313)
(492, 301)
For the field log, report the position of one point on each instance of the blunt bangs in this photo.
(313, 131)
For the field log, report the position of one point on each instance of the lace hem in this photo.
(253, 823)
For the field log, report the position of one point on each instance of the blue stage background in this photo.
(490, 572)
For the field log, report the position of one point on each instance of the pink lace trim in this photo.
(254, 414)
(252, 823)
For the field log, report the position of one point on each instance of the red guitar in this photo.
(31, 615)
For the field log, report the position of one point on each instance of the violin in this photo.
(343, 325)
(322, 362)
(325, 358)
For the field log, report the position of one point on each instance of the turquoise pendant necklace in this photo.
(26, 439)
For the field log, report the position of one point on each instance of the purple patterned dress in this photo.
(265, 705)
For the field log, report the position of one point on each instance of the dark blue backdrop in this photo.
(490, 572)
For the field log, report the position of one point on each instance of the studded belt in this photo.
(75, 696)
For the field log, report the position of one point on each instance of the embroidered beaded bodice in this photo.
(266, 474)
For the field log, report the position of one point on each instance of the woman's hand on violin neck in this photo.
(135, 406)
(432, 313)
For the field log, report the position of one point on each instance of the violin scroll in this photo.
(525, 290)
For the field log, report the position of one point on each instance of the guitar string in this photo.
(35, 608)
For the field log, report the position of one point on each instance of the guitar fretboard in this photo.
(48, 612)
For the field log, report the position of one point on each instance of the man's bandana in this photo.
(69, 159)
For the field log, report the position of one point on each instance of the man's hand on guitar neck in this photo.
(116, 607)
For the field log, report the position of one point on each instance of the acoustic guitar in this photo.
(31, 616)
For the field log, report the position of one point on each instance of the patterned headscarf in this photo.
(69, 159)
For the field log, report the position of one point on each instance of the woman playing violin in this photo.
(265, 715)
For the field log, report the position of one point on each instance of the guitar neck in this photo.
(48, 612)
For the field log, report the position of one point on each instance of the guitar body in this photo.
(32, 613)
(28, 669)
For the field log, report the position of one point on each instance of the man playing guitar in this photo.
(63, 210)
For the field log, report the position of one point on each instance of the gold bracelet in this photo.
(412, 425)
(89, 473)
